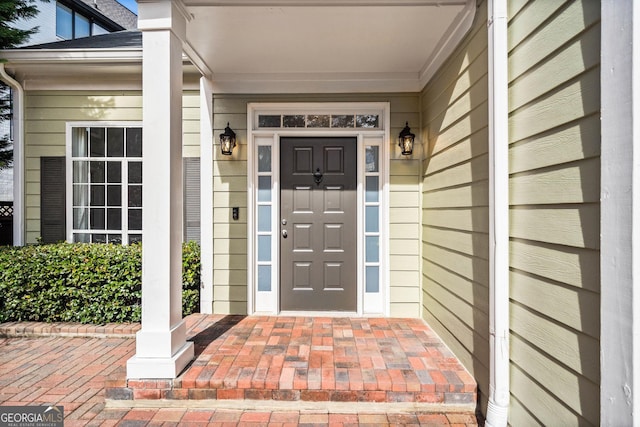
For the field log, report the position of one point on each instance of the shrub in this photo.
(87, 283)
(190, 278)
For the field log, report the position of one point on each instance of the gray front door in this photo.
(318, 224)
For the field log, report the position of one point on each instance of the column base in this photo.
(160, 367)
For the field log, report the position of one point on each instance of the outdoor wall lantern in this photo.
(405, 140)
(227, 141)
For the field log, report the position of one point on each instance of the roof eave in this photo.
(79, 55)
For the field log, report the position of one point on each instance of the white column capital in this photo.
(157, 15)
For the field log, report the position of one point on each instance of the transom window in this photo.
(319, 121)
(106, 184)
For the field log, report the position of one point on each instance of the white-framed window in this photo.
(70, 24)
(104, 183)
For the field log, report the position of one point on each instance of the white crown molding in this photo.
(449, 41)
(316, 83)
(197, 60)
(34, 80)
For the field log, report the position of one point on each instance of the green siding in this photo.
(47, 113)
(554, 103)
(455, 244)
(230, 184)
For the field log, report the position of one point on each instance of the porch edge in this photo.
(280, 405)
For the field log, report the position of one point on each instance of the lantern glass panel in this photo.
(407, 145)
(226, 144)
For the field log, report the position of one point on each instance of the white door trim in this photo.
(267, 302)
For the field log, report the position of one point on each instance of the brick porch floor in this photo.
(308, 359)
(69, 365)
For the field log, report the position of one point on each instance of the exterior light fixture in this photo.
(227, 141)
(405, 140)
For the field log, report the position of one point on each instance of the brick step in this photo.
(166, 389)
(304, 359)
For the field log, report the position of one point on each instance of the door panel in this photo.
(318, 260)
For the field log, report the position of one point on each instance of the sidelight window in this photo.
(265, 211)
(372, 219)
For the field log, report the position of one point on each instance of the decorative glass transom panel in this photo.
(106, 184)
(319, 121)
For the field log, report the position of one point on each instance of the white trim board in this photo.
(619, 210)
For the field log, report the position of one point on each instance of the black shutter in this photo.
(191, 168)
(52, 199)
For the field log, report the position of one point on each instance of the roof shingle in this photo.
(119, 39)
(115, 11)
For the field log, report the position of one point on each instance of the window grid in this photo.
(106, 185)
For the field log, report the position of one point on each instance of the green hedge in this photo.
(87, 283)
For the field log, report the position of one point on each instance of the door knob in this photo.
(317, 176)
(284, 233)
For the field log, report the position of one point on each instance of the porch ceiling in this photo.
(277, 46)
(305, 46)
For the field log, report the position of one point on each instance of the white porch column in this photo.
(161, 347)
(206, 195)
(620, 215)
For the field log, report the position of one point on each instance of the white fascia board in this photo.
(80, 55)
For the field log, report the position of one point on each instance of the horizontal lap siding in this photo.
(455, 222)
(191, 124)
(46, 115)
(230, 189)
(554, 102)
(404, 211)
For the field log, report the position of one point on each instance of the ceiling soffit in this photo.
(255, 46)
